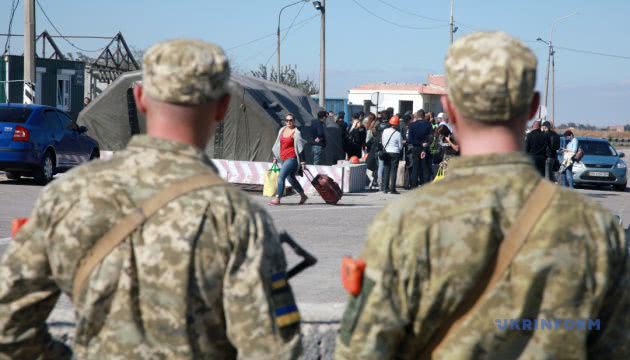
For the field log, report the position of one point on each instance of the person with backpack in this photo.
(391, 139)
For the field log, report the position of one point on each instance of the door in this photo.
(70, 145)
(53, 133)
(405, 106)
(63, 92)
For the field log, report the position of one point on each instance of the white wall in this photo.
(433, 103)
(390, 99)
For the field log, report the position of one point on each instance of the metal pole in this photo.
(6, 78)
(547, 78)
(278, 80)
(278, 33)
(553, 86)
(29, 42)
(451, 31)
(322, 59)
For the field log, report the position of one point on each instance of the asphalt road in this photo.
(328, 232)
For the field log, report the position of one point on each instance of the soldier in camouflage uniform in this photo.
(425, 252)
(204, 278)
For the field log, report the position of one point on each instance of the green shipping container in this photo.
(58, 83)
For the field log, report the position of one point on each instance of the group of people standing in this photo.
(542, 143)
(422, 140)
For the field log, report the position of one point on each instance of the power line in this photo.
(59, 32)
(298, 26)
(396, 24)
(285, 34)
(592, 52)
(411, 13)
(268, 35)
(7, 43)
(66, 36)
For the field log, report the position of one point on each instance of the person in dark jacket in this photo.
(319, 138)
(356, 137)
(536, 147)
(553, 145)
(419, 138)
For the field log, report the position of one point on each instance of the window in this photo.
(63, 92)
(600, 148)
(66, 122)
(14, 114)
(50, 120)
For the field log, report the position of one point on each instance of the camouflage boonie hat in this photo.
(186, 72)
(491, 76)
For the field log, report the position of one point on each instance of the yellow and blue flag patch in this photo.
(279, 280)
(285, 311)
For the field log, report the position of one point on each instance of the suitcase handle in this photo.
(309, 174)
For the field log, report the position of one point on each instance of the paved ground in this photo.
(329, 232)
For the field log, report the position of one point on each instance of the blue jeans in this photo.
(379, 172)
(288, 168)
(318, 152)
(566, 179)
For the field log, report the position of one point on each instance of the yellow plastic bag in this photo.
(271, 181)
(440, 173)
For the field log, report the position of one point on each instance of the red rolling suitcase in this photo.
(327, 188)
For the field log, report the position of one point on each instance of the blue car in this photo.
(40, 141)
(601, 164)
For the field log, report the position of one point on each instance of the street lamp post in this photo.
(551, 63)
(278, 79)
(321, 6)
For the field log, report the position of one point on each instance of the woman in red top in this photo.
(288, 149)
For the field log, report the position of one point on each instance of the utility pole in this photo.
(551, 63)
(452, 30)
(322, 58)
(549, 55)
(278, 79)
(278, 48)
(553, 86)
(29, 51)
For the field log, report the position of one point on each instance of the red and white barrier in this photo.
(350, 177)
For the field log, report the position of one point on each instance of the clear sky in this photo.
(362, 48)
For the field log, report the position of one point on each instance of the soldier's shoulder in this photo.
(575, 206)
(228, 195)
(96, 175)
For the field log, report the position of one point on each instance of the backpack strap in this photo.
(131, 222)
(513, 241)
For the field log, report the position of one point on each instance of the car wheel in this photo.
(44, 174)
(13, 175)
(621, 187)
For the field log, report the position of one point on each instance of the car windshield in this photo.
(599, 148)
(14, 115)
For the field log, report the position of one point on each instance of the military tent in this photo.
(255, 115)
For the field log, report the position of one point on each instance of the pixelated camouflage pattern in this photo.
(194, 282)
(491, 76)
(425, 252)
(187, 72)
